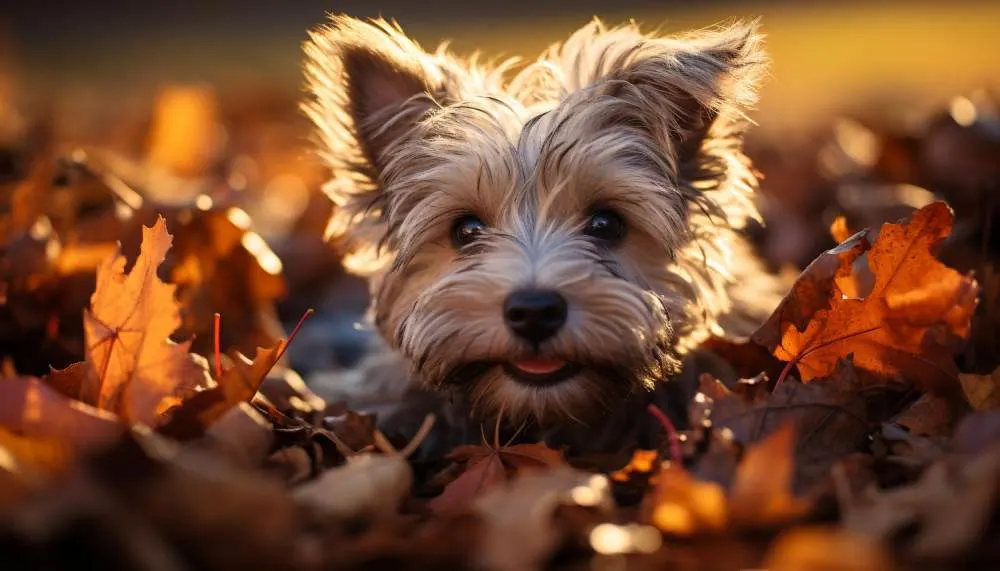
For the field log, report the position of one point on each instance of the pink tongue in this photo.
(539, 366)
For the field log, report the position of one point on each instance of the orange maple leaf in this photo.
(134, 369)
(905, 328)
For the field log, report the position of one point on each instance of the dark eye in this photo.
(466, 229)
(606, 225)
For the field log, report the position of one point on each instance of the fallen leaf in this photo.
(683, 506)
(487, 466)
(825, 549)
(829, 417)
(839, 229)
(944, 514)
(34, 455)
(977, 432)
(238, 384)
(811, 293)
(30, 408)
(904, 329)
(982, 391)
(241, 435)
(518, 532)
(642, 463)
(135, 369)
(761, 494)
(46, 429)
(368, 486)
(69, 381)
(930, 415)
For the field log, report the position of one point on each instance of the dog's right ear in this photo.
(369, 83)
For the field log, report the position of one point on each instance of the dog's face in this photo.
(544, 244)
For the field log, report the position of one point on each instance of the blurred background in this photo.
(112, 111)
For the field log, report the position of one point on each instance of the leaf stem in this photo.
(784, 373)
(284, 347)
(676, 454)
(218, 347)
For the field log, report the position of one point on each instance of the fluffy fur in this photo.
(648, 126)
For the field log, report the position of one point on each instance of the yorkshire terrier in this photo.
(545, 241)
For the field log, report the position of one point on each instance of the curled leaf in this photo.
(905, 328)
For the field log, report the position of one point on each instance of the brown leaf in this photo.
(825, 549)
(830, 419)
(45, 428)
(904, 328)
(683, 506)
(368, 486)
(642, 463)
(33, 455)
(812, 291)
(487, 466)
(479, 476)
(70, 381)
(239, 383)
(930, 415)
(518, 531)
(839, 229)
(942, 515)
(135, 369)
(982, 391)
(761, 493)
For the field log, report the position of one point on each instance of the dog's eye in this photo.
(466, 230)
(606, 225)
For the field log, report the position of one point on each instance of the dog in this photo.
(544, 240)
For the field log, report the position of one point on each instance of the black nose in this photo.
(535, 315)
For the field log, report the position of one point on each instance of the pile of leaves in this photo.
(858, 429)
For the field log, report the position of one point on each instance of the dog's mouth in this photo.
(540, 372)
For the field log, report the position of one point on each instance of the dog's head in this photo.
(548, 242)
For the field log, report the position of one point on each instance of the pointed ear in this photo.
(370, 84)
(703, 83)
(687, 85)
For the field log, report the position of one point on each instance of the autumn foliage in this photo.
(858, 429)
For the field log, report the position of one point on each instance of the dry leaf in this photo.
(30, 408)
(839, 229)
(684, 506)
(487, 466)
(812, 291)
(904, 328)
(44, 428)
(30, 456)
(518, 533)
(830, 418)
(825, 549)
(239, 383)
(982, 391)
(643, 462)
(135, 369)
(761, 495)
(930, 415)
(942, 515)
(368, 486)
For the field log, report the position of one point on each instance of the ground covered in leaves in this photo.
(153, 416)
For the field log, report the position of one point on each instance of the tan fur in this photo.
(648, 126)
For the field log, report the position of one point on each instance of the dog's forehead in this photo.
(514, 165)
